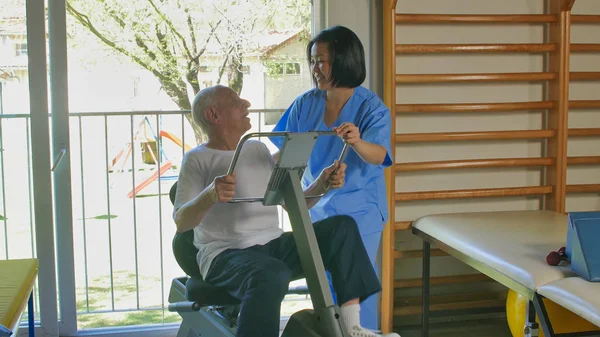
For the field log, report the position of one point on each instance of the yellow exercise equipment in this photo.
(17, 278)
(562, 320)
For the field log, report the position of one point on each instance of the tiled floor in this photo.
(496, 327)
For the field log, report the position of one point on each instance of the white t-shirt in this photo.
(229, 225)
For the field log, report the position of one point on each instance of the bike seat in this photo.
(205, 294)
(197, 290)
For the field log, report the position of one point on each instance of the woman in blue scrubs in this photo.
(361, 119)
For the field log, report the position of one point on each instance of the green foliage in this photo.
(173, 38)
(274, 68)
(104, 217)
(278, 67)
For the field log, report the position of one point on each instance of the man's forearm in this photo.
(314, 189)
(188, 216)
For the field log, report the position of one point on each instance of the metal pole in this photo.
(426, 290)
(306, 241)
(1, 99)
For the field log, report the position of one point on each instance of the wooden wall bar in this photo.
(558, 91)
(555, 106)
(389, 237)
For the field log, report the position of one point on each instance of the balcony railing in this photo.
(122, 167)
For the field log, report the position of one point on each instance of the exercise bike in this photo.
(210, 311)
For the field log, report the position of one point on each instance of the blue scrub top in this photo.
(363, 195)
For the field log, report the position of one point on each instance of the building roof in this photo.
(263, 44)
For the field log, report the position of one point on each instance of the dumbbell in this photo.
(554, 258)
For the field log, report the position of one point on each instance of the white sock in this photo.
(350, 315)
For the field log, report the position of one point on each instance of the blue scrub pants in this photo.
(259, 275)
(369, 317)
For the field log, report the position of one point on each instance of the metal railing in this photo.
(122, 167)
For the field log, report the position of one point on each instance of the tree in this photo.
(169, 38)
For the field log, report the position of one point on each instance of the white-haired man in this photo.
(241, 247)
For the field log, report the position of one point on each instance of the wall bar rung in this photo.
(585, 76)
(474, 18)
(472, 163)
(584, 132)
(584, 104)
(583, 188)
(415, 254)
(476, 135)
(402, 225)
(585, 47)
(475, 306)
(475, 107)
(441, 280)
(481, 48)
(485, 77)
(589, 160)
(585, 18)
(473, 193)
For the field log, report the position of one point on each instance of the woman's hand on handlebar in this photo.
(348, 132)
(224, 188)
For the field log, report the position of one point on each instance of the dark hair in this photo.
(347, 56)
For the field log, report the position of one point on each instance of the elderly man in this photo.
(241, 247)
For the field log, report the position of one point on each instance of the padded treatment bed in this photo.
(509, 247)
(16, 284)
(577, 295)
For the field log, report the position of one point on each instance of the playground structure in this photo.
(151, 153)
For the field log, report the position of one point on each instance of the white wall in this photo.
(365, 20)
(281, 91)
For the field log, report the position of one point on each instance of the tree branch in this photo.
(140, 43)
(193, 64)
(201, 52)
(163, 45)
(220, 12)
(190, 24)
(222, 70)
(113, 14)
(86, 22)
(172, 28)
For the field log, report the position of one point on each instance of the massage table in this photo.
(511, 247)
(17, 278)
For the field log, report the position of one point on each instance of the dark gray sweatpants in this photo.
(260, 275)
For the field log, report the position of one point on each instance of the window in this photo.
(206, 84)
(20, 49)
(292, 68)
(136, 86)
(280, 69)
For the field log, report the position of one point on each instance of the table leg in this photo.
(540, 308)
(531, 328)
(30, 316)
(426, 270)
